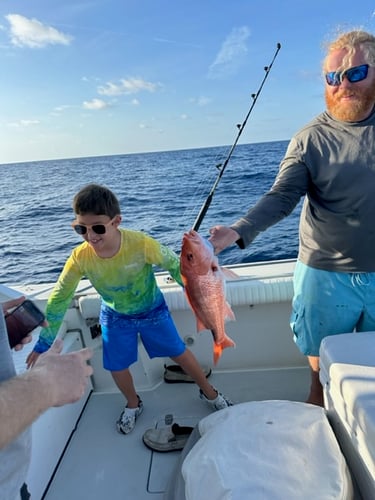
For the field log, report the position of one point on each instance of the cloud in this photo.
(130, 86)
(230, 55)
(23, 123)
(32, 33)
(200, 101)
(95, 104)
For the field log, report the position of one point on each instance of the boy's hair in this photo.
(96, 199)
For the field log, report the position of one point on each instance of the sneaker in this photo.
(219, 403)
(128, 417)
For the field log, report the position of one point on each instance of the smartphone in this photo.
(22, 320)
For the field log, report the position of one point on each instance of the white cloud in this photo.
(23, 123)
(200, 101)
(32, 33)
(95, 104)
(130, 86)
(230, 54)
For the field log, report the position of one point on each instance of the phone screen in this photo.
(23, 320)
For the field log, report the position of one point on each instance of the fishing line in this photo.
(222, 167)
(205, 176)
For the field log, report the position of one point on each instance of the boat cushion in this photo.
(347, 373)
(266, 449)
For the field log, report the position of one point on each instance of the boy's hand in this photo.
(32, 358)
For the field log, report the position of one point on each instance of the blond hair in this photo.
(351, 41)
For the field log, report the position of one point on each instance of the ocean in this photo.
(160, 193)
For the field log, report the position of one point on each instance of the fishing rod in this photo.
(222, 167)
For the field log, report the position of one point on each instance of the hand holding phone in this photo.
(23, 320)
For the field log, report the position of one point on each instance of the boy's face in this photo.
(100, 231)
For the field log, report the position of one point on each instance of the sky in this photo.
(92, 78)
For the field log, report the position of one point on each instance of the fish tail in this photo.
(218, 348)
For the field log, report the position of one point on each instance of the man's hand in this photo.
(64, 376)
(222, 237)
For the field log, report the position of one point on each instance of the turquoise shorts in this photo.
(329, 303)
(120, 336)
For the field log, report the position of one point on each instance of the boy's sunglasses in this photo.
(97, 228)
(356, 74)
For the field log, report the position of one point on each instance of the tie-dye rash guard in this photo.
(126, 281)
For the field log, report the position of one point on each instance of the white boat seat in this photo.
(269, 450)
(347, 373)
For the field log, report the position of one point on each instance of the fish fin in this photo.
(229, 274)
(218, 348)
(200, 325)
(228, 313)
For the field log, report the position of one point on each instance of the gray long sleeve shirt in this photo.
(332, 164)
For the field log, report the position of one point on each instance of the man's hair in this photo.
(96, 199)
(351, 41)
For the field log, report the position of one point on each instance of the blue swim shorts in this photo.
(329, 303)
(120, 336)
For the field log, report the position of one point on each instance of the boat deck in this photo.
(99, 463)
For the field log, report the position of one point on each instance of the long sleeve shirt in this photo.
(332, 164)
(125, 282)
(14, 457)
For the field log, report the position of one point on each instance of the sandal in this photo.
(174, 374)
(169, 438)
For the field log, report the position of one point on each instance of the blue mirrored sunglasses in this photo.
(356, 74)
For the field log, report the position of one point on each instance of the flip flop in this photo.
(166, 439)
(174, 374)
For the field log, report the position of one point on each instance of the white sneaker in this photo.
(128, 417)
(219, 403)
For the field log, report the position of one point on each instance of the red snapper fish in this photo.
(204, 284)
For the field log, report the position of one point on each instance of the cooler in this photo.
(347, 373)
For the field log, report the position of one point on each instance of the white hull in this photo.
(99, 463)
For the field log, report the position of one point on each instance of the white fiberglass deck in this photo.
(101, 464)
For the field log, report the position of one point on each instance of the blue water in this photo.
(160, 193)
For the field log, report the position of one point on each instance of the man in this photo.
(331, 162)
(56, 379)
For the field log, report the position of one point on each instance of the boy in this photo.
(118, 263)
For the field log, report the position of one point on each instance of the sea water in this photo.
(160, 193)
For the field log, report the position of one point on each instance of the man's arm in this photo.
(55, 380)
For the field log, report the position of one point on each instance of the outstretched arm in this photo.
(55, 379)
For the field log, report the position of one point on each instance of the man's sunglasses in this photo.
(356, 74)
(97, 228)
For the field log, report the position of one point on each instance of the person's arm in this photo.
(290, 185)
(164, 257)
(55, 379)
(57, 305)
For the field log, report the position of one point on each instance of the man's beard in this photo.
(351, 111)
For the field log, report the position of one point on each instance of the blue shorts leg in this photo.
(329, 303)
